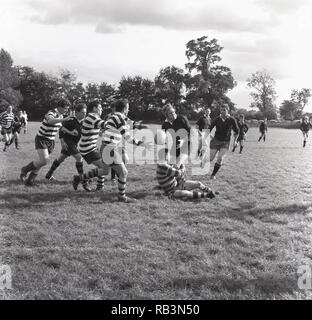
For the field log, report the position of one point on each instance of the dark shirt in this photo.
(243, 128)
(181, 122)
(263, 127)
(71, 124)
(17, 124)
(305, 127)
(203, 123)
(224, 127)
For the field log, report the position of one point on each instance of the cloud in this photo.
(282, 6)
(114, 15)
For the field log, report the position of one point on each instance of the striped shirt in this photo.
(90, 131)
(117, 129)
(47, 130)
(6, 119)
(167, 177)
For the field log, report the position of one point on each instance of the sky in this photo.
(103, 40)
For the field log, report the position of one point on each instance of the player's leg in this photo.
(185, 194)
(43, 158)
(56, 163)
(218, 163)
(122, 173)
(241, 145)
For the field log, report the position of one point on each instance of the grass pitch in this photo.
(246, 244)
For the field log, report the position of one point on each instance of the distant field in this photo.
(246, 244)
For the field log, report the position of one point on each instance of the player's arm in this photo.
(174, 172)
(73, 132)
(54, 120)
(246, 128)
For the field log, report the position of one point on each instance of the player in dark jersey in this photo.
(263, 128)
(178, 126)
(45, 141)
(305, 127)
(70, 134)
(202, 123)
(220, 143)
(16, 130)
(243, 128)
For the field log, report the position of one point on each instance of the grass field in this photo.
(245, 244)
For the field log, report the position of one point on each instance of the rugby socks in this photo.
(79, 167)
(241, 149)
(29, 167)
(89, 175)
(233, 149)
(216, 168)
(122, 187)
(304, 143)
(199, 195)
(100, 182)
(54, 166)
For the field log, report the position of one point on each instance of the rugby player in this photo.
(220, 143)
(70, 134)
(202, 123)
(305, 127)
(263, 128)
(6, 122)
(45, 141)
(243, 128)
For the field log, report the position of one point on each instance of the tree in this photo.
(140, 93)
(210, 81)
(300, 98)
(289, 110)
(169, 86)
(265, 93)
(9, 81)
(38, 90)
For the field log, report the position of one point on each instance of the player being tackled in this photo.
(172, 179)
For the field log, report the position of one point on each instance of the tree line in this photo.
(204, 83)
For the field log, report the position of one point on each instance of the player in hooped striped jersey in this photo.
(115, 132)
(45, 141)
(6, 122)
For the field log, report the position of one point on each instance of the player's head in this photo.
(224, 109)
(241, 117)
(169, 112)
(122, 106)
(80, 111)
(207, 112)
(113, 107)
(62, 105)
(9, 109)
(95, 107)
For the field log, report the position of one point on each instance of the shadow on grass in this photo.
(243, 212)
(30, 200)
(263, 286)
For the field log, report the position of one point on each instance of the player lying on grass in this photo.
(172, 179)
(305, 127)
(70, 134)
(116, 132)
(45, 141)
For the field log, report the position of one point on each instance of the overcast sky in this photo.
(102, 40)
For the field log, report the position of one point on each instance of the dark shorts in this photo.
(18, 130)
(70, 150)
(6, 131)
(217, 144)
(92, 156)
(241, 138)
(44, 143)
